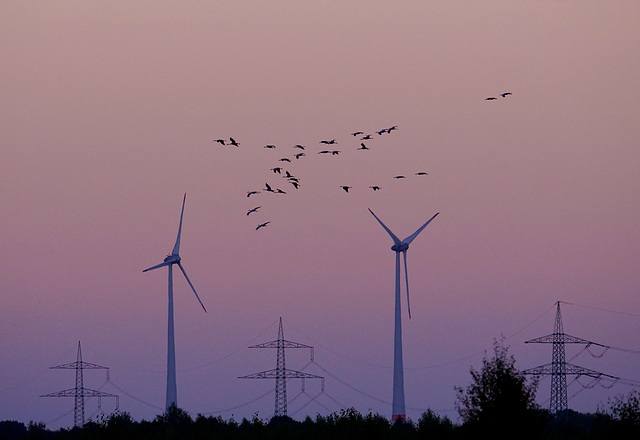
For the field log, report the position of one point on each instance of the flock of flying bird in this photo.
(301, 151)
(330, 149)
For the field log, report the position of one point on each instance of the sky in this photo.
(110, 115)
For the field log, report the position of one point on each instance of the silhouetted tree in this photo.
(499, 402)
(434, 427)
(38, 430)
(347, 423)
(174, 422)
(570, 425)
(11, 429)
(625, 410)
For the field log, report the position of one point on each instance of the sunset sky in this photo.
(110, 111)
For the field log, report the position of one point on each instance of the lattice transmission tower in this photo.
(80, 392)
(281, 374)
(558, 369)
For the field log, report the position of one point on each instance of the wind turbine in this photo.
(169, 261)
(398, 407)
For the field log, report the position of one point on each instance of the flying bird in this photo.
(299, 155)
(384, 130)
(505, 94)
(345, 188)
(335, 152)
(253, 210)
(299, 146)
(365, 138)
(363, 146)
(269, 146)
(262, 225)
(399, 177)
(491, 98)
(356, 133)
(250, 193)
(267, 187)
(294, 183)
(332, 141)
(279, 191)
(421, 173)
(375, 188)
(220, 141)
(233, 142)
(288, 175)
(284, 159)
(395, 127)
(323, 152)
(277, 170)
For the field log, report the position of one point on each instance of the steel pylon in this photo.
(281, 374)
(80, 392)
(558, 369)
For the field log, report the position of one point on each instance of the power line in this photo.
(424, 367)
(134, 397)
(59, 417)
(364, 393)
(334, 400)
(312, 399)
(337, 352)
(351, 386)
(219, 411)
(636, 315)
(296, 397)
(232, 352)
(11, 387)
(228, 355)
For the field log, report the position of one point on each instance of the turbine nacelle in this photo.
(400, 247)
(172, 259)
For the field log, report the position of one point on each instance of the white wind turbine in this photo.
(398, 407)
(169, 261)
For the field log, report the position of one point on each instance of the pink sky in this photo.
(109, 114)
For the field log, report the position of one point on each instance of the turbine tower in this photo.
(169, 261)
(398, 407)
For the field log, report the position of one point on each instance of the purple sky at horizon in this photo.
(110, 111)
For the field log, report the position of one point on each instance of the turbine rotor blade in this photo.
(395, 239)
(410, 238)
(192, 288)
(406, 277)
(176, 247)
(157, 266)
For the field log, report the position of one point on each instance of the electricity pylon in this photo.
(558, 369)
(80, 392)
(281, 373)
